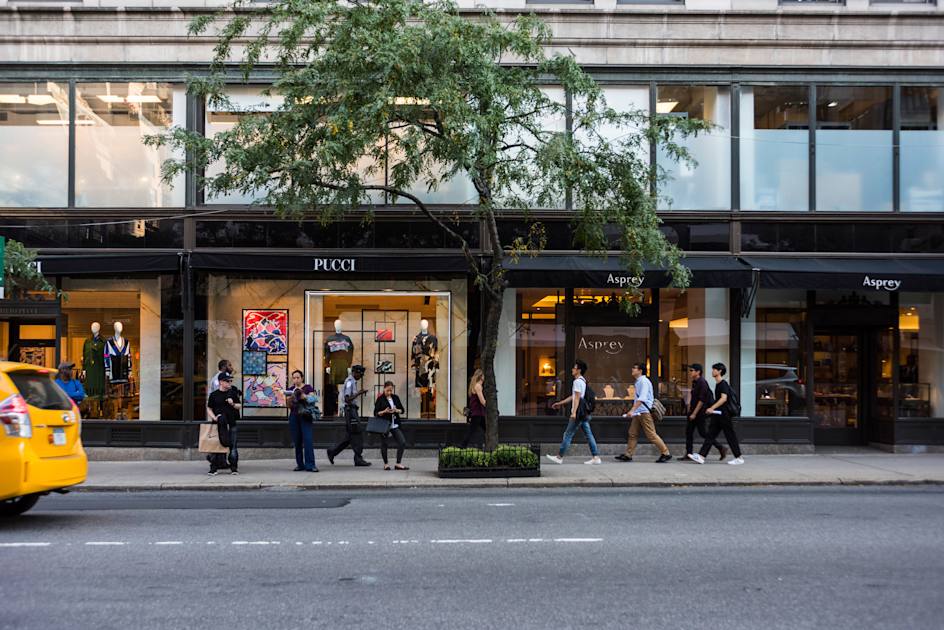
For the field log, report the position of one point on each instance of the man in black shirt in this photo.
(700, 400)
(223, 407)
(720, 415)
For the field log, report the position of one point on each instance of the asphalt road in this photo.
(700, 558)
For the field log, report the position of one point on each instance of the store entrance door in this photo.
(32, 342)
(852, 384)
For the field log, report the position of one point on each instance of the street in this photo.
(715, 557)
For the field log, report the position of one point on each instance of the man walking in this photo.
(701, 399)
(579, 416)
(641, 414)
(720, 419)
(223, 408)
(352, 424)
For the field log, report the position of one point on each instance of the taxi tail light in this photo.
(14, 416)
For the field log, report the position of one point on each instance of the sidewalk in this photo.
(866, 468)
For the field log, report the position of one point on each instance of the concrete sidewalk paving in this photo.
(866, 468)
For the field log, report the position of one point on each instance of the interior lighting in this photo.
(666, 107)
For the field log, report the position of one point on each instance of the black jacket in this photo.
(382, 404)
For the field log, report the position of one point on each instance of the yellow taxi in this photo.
(40, 447)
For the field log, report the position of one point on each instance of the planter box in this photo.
(492, 472)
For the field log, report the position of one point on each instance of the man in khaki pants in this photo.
(642, 418)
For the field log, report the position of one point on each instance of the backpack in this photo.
(732, 404)
(589, 399)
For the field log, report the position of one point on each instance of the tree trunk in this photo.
(493, 310)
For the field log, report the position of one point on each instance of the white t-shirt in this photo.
(580, 386)
(393, 420)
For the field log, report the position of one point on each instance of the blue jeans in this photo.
(303, 439)
(572, 430)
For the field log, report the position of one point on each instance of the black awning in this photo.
(864, 274)
(109, 264)
(333, 263)
(577, 271)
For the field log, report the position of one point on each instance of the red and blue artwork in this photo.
(266, 331)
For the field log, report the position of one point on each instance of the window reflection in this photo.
(539, 341)
(922, 149)
(34, 144)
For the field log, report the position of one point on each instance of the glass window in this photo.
(34, 144)
(853, 149)
(922, 149)
(120, 366)
(775, 147)
(772, 355)
(539, 349)
(694, 327)
(707, 185)
(112, 165)
(921, 363)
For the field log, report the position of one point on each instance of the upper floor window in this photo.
(922, 149)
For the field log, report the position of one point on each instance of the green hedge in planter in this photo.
(504, 456)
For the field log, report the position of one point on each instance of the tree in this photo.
(22, 273)
(430, 95)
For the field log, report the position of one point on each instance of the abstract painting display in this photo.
(265, 331)
(267, 390)
(254, 363)
(385, 363)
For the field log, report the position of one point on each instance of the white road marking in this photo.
(316, 542)
(457, 541)
(435, 541)
(25, 544)
(578, 540)
(406, 542)
(517, 540)
(501, 504)
(105, 543)
(169, 542)
(535, 540)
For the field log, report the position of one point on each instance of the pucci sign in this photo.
(335, 264)
(881, 283)
(623, 281)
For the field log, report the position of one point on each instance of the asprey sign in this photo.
(881, 283)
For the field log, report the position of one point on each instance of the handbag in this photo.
(210, 439)
(378, 425)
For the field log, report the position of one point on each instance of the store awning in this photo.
(329, 263)
(593, 272)
(865, 274)
(109, 264)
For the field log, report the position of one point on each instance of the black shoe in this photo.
(213, 473)
(724, 453)
(623, 457)
(331, 458)
(663, 459)
(361, 462)
(311, 469)
(298, 469)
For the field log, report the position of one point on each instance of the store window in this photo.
(921, 362)
(773, 342)
(853, 149)
(539, 350)
(775, 147)
(922, 149)
(694, 327)
(707, 185)
(34, 144)
(113, 334)
(408, 332)
(113, 167)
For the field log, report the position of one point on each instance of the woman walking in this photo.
(476, 408)
(388, 405)
(301, 422)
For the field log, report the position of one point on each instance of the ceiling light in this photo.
(40, 99)
(143, 98)
(11, 99)
(54, 121)
(681, 322)
(110, 98)
(666, 107)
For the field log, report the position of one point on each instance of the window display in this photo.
(539, 355)
(921, 358)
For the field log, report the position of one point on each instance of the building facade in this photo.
(813, 223)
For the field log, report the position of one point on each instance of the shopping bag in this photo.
(210, 439)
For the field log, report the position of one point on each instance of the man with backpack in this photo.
(582, 401)
(725, 407)
(641, 414)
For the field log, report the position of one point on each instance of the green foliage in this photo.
(21, 271)
(514, 457)
(503, 456)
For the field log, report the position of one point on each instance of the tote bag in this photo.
(210, 439)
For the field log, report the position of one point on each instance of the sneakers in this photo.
(595, 460)
(695, 457)
(737, 461)
(234, 472)
(623, 457)
(663, 459)
(213, 473)
(557, 459)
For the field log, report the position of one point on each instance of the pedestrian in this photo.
(354, 432)
(223, 407)
(720, 415)
(641, 414)
(222, 367)
(388, 405)
(580, 415)
(71, 386)
(301, 397)
(476, 407)
(699, 402)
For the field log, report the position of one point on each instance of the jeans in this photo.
(718, 424)
(572, 429)
(401, 444)
(303, 439)
(476, 430)
(698, 423)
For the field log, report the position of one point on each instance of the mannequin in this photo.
(93, 364)
(118, 357)
(425, 365)
(338, 357)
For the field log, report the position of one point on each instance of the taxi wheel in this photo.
(18, 505)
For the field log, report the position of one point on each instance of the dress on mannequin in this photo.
(93, 364)
(423, 354)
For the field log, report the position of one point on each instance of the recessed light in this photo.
(143, 98)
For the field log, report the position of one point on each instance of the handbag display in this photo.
(210, 439)
(381, 426)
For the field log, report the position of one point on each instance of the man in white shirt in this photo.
(352, 424)
(641, 414)
(223, 367)
(579, 416)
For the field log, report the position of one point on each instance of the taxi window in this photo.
(40, 391)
